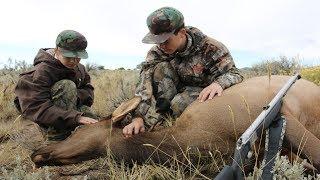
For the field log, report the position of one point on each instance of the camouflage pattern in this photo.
(184, 99)
(72, 44)
(166, 19)
(203, 62)
(64, 95)
(164, 85)
(168, 98)
(162, 23)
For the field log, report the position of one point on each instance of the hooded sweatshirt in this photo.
(34, 86)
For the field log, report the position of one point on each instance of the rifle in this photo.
(270, 119)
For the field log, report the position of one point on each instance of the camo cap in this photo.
(162, 24)
(72, 44)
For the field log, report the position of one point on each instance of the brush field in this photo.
(18, 138)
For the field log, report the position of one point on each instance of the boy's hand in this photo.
(86, 120)
(135, 127)
(210, 91)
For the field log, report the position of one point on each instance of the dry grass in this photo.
(312, 74)
(111, 88)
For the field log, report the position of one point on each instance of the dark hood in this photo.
(46, 55)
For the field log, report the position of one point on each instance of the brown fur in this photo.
(214, 124)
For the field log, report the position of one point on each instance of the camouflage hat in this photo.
(72, 44)
(162, 24)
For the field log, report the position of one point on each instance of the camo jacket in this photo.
(204, 61)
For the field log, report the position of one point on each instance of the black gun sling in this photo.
(274, 138)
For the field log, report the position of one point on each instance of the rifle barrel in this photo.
(267, 115)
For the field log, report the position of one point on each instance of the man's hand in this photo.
(86, 120)
(210, 91)
(136, 126)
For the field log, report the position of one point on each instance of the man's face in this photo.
(174, 43)
(69, 62)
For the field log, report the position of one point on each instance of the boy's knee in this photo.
(164, 70)
(64, 94)
(64, 84)
(181, 101)
(63, 88)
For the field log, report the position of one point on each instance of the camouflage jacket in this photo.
(204, 61)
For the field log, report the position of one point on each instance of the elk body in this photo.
(211, 125)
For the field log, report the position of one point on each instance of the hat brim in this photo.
(156, 39)
(74, 54)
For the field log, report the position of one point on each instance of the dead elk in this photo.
(211, 125)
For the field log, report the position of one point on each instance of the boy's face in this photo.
(174, 43)
(69, 62)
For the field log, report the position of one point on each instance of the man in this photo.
(183, 66)
(56, 93)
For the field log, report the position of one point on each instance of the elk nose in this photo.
(38, 160)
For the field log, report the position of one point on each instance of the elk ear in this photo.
(125, 108)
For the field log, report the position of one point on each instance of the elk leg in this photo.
(85, 143)
(302, 141)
